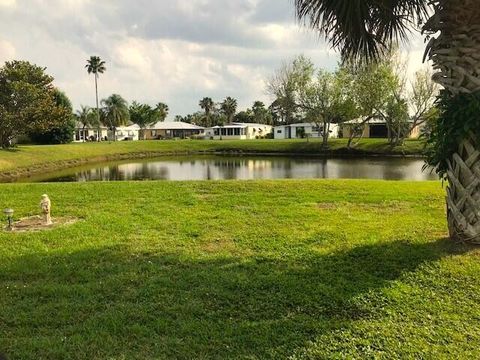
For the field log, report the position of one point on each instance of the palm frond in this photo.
(362, 29)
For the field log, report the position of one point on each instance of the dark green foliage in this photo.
(28, 102)
(459, 117)
(58, 135)
(61, 133)
(244, 116)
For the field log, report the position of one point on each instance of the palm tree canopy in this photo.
(84, 115)
(162, 110)
(115, 110)
(95, 65)
(229, 107)
(363, 29)
(207, 104)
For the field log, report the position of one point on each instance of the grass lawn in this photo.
(26, 160)
(252, 270)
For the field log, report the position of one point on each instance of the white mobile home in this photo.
(238, 131)
(171, 130)
(89, 133)
(295, 131)
(125, 133)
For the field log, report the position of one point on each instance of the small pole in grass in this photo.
(9, 214)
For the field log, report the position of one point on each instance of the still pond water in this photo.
(243, 168)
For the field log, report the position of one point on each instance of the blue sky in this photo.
(171, 51)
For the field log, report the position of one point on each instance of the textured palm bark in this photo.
(456, 57)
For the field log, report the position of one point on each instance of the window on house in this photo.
(230, 132)
(237, 131)
(279, 131)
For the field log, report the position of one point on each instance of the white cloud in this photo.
(163, 50)
(7, 51)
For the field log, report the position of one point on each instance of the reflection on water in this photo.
(245, 168)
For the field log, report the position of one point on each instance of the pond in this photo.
(243, 168)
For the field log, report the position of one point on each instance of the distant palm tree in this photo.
(96, 66)
(115, 113)
(229, 108)
(84, 117)
(208, 106)
(162, 110)
(365, 29)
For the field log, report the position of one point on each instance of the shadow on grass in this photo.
(12, 149)
(106, 302)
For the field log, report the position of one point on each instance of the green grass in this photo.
(251, 270)
(26, 160)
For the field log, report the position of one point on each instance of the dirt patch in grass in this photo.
(35, 223)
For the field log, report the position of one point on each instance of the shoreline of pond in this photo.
(82, 165)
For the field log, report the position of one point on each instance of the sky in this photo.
(173, 51)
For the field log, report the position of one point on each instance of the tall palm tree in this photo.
(229, 108)
(116, 113)
(84, 117)
(96, 66)
(208, 106)
(364, 29)
(162, 110)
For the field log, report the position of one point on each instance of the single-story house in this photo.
(238, 131)
(312, 130)
(89, 133)
(170, 130)
(375, 128)
(124, 133)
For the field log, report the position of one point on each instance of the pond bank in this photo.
(30, 160)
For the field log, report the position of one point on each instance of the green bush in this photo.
(459, 118)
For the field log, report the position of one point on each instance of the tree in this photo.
(115, 113)
(261, 115)
(318, 96)
(143, 115)
(208, 106)
(281, 86)
(325, 98)
(63, 131)
(27, 102)
(245, 116)
(229, 108)
(96, 66)
(422, 98)
(365, 29)
(162, 110)
(84, 117)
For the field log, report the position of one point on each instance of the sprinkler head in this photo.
(9, 215)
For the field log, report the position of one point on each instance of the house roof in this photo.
(251, 124)
(133, 127)
(174, 125)
(302, 125)
(371, 121)
(240, 125)
(79, 125)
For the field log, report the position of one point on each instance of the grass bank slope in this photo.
(257, 270)
(27, 160)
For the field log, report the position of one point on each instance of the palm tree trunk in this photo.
(456, 55)
(98, 109)
(463, 192)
